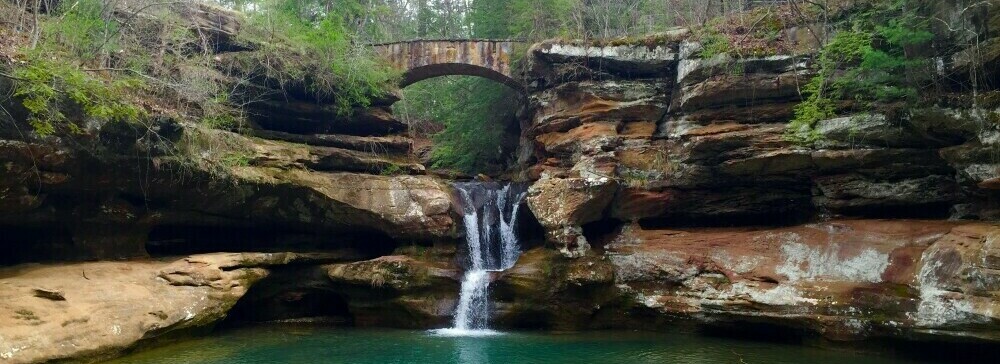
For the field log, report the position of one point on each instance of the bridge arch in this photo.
(423, 59)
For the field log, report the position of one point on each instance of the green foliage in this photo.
(527, 19)
(216, 113)
(713, 44)
(869, 61)
(757, 33)
(90, 58)
(223, 121)
(47, 88)
(474, 113)
(51, 78)
(392, 170)
(304, 43)
(235, 160)
(534, 19)
(80, 29)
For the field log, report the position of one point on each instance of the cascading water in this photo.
(490, 217)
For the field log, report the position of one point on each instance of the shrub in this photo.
(47, 88)
(301, 44)
(473, 124)
(756, 33)
(869, 61)
(392, 169)
(80, 29)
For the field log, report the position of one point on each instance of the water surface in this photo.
(296, 344)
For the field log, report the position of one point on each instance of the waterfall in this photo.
(490, 216)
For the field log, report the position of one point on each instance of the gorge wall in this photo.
(664, 184)
(102, 226)
(671, 189)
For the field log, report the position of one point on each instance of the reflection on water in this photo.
(472, 350)
(283, 344)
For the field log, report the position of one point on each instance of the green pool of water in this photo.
(284, 344)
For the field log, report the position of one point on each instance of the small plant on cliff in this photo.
(53, 82)
(872, 60)
(392, 169)
(236, 160)
(48, 88)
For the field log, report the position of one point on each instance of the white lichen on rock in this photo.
(803, 261)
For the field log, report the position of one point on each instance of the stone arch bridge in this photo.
(423, 59)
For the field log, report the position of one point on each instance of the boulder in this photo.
(398, 291)
(403, 207)
(99, 310)
(564, 205)
(545, 290)
(398, 273)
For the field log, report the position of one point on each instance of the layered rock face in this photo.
(842, 279)
(705, 142)
(399, 291)
(298, 175)
(640, 154)
(62, 201)
(637, 155)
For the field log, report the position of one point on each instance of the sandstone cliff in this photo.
(664, 184)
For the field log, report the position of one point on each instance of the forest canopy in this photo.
(97, 56)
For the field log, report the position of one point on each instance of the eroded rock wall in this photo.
(842, 279)
(107, 201)
(706, 142)
(647, 161)
(299, 174)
